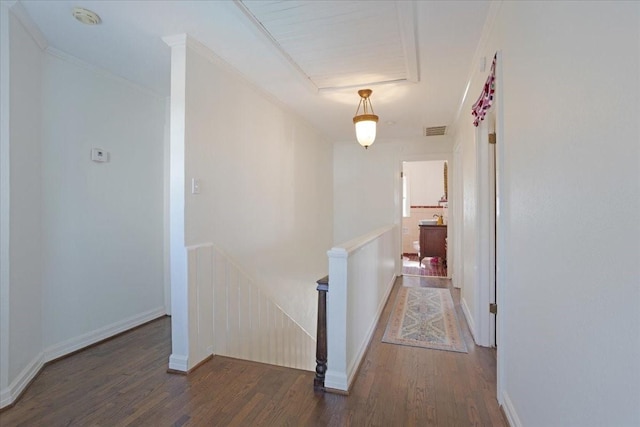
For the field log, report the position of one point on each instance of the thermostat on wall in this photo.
(99, 155)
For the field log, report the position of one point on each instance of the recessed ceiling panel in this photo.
(338, 44)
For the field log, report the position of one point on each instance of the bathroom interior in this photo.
(425, 218)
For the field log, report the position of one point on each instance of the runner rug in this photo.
(425, 317)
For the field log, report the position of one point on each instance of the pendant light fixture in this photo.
(365, 122)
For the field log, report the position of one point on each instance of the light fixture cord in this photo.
(364, 102)
(359, 104)
(368, 101)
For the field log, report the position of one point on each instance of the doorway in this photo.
(425, 218)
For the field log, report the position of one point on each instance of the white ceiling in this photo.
(312, 56)
(339, 44)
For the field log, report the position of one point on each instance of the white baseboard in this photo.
(178, 362)
(355, 363)
(510, 411)
(85, 340)
(336, 381)
(17, 386)
(469, 317)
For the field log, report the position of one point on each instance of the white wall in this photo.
(266, 185)
(22, 308)
(426, 182)
(569, 331)
(367, 187)
(367, 190)
(85, 247)
(102, 222)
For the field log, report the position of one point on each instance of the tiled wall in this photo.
(410, 228)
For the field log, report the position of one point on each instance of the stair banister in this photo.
(321, 340)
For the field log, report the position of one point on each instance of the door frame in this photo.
(425, 158)
(490, 278)
(485, 223)
(501, 225)
(490, 222)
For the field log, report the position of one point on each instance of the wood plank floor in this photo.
(123, 382)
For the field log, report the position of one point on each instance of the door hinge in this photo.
(492, 138)
(493, 308)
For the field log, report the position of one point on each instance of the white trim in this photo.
(276, 48)
(451, 223)
(101, 72)
(22, 380)
(491, 250)
(467, 314)
(456, 213)
(5, 191)
(175, 40)
(85, 340)
(336, 381)
(212, 57)
(482, 296)
(346, 249)
(20, 12)
(179, 362)
(336, 374)
(177, 251)
(501, 229)
(510, 411)
(408, 33)
(167, 206)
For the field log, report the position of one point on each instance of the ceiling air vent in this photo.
(435, 131)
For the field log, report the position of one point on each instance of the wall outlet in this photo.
(405, 230)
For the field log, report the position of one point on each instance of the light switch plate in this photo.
(195, 186)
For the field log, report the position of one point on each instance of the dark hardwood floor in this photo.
(124, 382)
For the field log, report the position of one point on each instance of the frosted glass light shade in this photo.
(365, 122)
(366, 132)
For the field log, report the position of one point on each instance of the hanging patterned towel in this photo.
(482, 105)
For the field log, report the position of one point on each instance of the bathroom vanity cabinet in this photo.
(433, 241)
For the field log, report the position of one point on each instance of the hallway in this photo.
(124, 382)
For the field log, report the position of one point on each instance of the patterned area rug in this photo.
(425, 317)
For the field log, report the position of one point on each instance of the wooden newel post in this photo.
(321, 341)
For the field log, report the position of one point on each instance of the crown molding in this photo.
(18, 10)
(202, 50)
(407, 16)
(101, 71)
(276, 47)
(176, 40)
